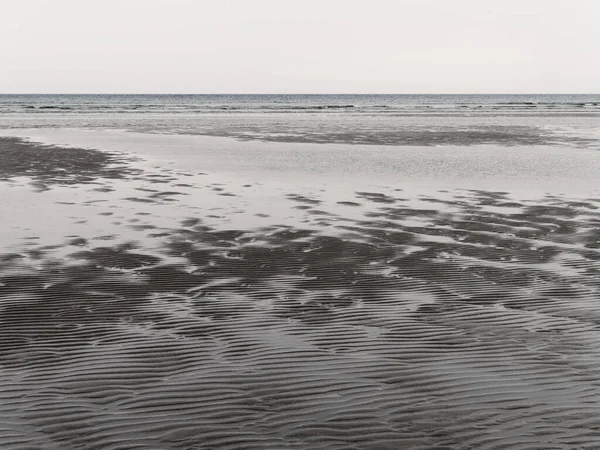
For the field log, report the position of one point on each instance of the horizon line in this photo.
(296, 93)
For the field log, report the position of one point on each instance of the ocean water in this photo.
(356, 119)
(373, 104)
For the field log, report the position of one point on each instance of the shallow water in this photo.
(534, 170)
(198, 292)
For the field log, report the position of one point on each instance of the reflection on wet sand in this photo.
(464, 319)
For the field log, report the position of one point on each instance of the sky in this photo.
(299, 46)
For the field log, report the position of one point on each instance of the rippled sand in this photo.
(151, 308)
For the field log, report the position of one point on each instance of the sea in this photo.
(362, 119)
(356, 103)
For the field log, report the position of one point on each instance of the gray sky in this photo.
(299, 46)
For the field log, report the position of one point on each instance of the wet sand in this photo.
(144, 307)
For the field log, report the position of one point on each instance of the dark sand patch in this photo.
(167, 194)
(303, 199)
(48, 165)
(142, 227)
(319, 212)
(78, 242)
(376, 197)
(140, 199)
(103, 189)
(159, 235)
(190, 222)
(107, 237)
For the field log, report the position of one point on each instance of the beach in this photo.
(168, 289)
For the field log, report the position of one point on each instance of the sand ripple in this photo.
(468, 320)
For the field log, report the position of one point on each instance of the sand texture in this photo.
(152, 308)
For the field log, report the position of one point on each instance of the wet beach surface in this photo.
(147, 306)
